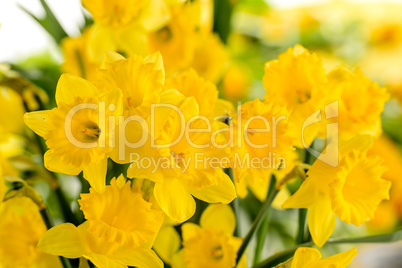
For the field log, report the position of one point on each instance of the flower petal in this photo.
(156, 15)
(321, 220)
(304, 257)
(189, 230)
(95, 174)
(70, 87)
(138, 257)
(342, 259)
(38, 121)
(220, 217)
(174, 199)
(304, 197)
(167, 243)
(63, 240)
(54, 163)
(224, 192)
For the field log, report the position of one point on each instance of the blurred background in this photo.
(364, 34)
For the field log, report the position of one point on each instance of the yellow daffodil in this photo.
(122, 26)
(237, 82)
(177, 40)
(296, 80)
(182, 165)
(190, 84)
(78, 132)
(357, 115)
(76, 59)
(312, 258)
(139, 79)
(11, 105)
(262, 139)
(211, 244)
(210, 57)
(352, 190)
(21, 227)
(119, 232)
(114, 215)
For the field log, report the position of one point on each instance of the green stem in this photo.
(264, 209)
(285, 255)
(65, 207)
(301, 235)
(261, 234)
(235, 203)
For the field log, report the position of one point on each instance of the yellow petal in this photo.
(70, 87)
(138, 257)
(38, 121)
(156, 59)
(63, 240)
(95, 174)
(190, 230)
(100, 40)
(102, 261)
(305, 197)
(360, 143)
(54, 163)
(220, 217)
(110, 57)
(304, 257)
(321, 220)
(156, 15)
(167, 243)
(224, 192)
(342, 259)
(132, 40)
(174, 199)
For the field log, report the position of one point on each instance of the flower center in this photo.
(217, 252)
(89, 132)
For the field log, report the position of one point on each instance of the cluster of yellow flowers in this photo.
(140, 92)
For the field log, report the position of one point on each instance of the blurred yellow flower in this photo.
(211, 244)
(357, 115)
(21, 227)
(77, 132)
(120, 215)
(296, 80)
(76, 59)
(312, 258)
(236, 82)
(351, 190)
(122, 25)
(11, 104)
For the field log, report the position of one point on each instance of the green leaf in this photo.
(49, 22)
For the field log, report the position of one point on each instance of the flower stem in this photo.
(235, 203)
(286, 254)
(301, 235)
(264, 209)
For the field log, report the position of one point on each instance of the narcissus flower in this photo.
(21, 227)
(211, 244)
(139, 79)
(122, 26)
(190, 84)
(296, 80)
(351, 190)
(74, 242)
(177, 39)
(182, 165)
(262, 139)
(312, 258)
(78, 132)
(11, 104)
(357, 115)
(120, 215)
(119, 232)
(76, 57)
